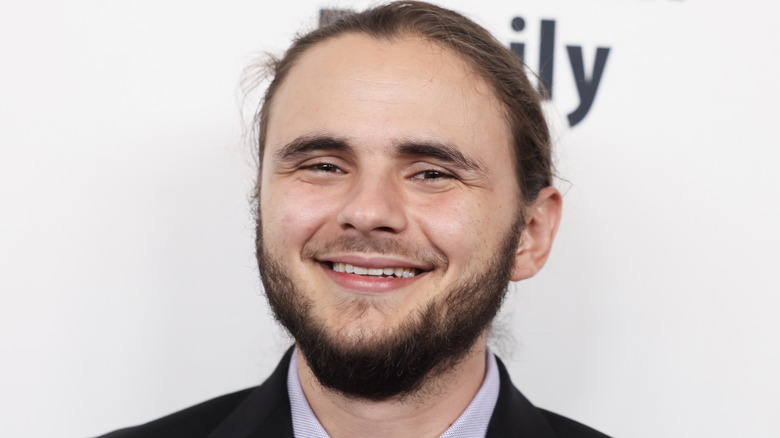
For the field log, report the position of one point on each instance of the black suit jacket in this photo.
(264, 412)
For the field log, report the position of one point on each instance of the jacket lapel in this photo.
(265, 412)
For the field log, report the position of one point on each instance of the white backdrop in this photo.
(127, 282)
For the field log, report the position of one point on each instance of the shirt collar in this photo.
(473, 422)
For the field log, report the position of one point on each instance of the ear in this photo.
(541, 223)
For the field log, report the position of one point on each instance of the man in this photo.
(405, 179)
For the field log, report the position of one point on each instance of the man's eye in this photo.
(429, 175)
(323, 167)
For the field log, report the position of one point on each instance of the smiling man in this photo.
(405, 180)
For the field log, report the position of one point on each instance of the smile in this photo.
(375, 272)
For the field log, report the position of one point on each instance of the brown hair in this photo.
(489, 59)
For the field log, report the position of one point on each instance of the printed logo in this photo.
(587, 85)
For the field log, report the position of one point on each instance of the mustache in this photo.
(359, 244)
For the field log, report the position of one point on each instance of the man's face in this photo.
(388, 186)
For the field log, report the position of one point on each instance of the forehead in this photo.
(379, 92)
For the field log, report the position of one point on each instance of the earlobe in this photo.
(541, 224)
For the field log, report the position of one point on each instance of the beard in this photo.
(392, 362)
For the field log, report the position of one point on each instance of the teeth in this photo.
(374, 272)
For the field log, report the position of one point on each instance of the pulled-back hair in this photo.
(489, 59)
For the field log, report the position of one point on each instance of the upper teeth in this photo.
(374, 272)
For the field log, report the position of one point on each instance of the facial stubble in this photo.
(396, 362)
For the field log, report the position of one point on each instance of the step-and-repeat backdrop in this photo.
(127, 276)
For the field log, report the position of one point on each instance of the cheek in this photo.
(450, 224)
(291, 215)
(465, 229)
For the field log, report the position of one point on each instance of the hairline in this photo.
(474, 45)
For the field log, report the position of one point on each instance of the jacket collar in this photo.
(514, 415)
(265, 412)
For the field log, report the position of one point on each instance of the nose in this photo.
(373, 204)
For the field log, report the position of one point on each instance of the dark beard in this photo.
(426, 344)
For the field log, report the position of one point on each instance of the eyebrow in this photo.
(440, 150)
(312, 143)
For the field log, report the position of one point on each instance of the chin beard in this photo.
(399, 361)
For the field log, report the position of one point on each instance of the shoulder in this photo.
(195, 421)
(568, 428)
(265, 407)
(514, 415)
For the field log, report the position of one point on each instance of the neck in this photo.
(428, 413)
